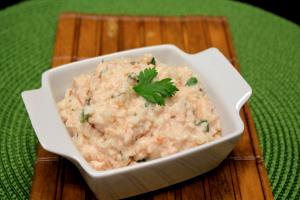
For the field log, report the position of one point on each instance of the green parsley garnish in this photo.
(153, 61)
(203, 123)
(84, 117)
(192, 81)
(154, 91)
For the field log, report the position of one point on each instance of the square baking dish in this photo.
(224, 85)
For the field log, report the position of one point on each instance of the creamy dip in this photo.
(113, 126)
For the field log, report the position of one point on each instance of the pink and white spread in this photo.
(113, 126)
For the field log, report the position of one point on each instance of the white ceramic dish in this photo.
(226, 88)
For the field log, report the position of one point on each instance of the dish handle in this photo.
(224, 77)
(46, 123)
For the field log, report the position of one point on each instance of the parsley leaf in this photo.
(154, 92)
(153, 61)
(147, 75)
(192, 81)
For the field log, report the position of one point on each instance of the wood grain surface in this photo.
(241, 176)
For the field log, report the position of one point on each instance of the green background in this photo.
(268, 48)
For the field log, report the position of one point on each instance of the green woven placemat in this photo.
(268, 49)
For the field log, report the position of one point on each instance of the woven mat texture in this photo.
(268, 49)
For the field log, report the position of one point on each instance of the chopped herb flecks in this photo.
(204, 124)
(88, 101)
(84, 117)
(192, 81)
(117, 95)
(102, 72)
(153, 61)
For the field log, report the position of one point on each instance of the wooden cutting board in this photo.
(241, 176)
